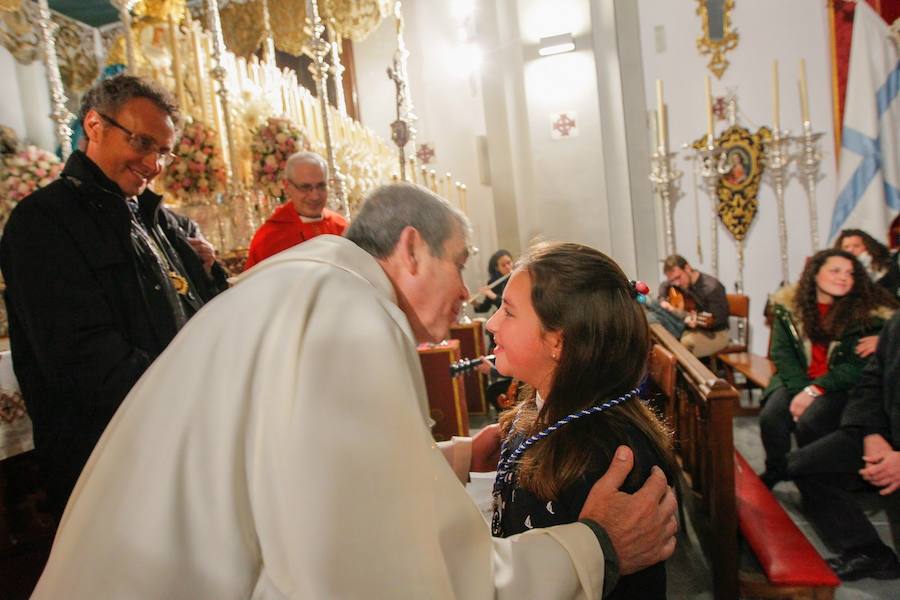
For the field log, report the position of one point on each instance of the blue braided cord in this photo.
(505, 464)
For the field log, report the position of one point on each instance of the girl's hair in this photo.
(583, 294)
(494, 261)
(881, 256)
(850, 310)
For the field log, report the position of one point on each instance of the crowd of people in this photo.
(234, 458)
(196, 455)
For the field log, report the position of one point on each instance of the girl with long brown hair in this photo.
(571, 328)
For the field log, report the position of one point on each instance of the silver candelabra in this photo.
(319, 50)
(778, 157)
(808, 159)
(662, 176)
(61, 115)
(711, 163)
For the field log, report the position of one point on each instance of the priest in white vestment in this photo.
(280, 447)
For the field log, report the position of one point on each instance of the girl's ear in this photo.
(554, 341)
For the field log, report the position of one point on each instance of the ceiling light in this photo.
(556, 44)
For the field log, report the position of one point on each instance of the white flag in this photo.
(869, 174)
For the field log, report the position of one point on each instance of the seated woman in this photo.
(571, 328)
(818, 352)
(499, 267)
(882, 266)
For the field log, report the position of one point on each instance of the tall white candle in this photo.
(661, 111)
(709, 112)
(776, 110)
(804, 94)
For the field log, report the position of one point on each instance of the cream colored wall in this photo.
(446, 94)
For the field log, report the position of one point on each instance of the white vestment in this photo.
(279, 448)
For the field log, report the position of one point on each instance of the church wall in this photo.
(447, 97)
(569, 173)
(768, 29)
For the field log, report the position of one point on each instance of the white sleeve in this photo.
(565, 561)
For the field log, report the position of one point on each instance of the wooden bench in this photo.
(736, 357)
(792, 567)
(721, 494)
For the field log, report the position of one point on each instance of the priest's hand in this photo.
(204, 250)
(486, 449)
(641, 526)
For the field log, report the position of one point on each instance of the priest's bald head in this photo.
(421, 242)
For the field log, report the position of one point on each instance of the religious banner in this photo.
(738, 188)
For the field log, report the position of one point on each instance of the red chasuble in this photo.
(284, 229)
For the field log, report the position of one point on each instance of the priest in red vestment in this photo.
(303, 216)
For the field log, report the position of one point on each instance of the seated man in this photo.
(699, 299)
(867, 444)
(303, 216)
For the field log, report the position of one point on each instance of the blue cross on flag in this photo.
(869, 171)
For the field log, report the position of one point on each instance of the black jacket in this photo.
(874, 405)
(82, 327)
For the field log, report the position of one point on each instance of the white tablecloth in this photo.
(15, 426)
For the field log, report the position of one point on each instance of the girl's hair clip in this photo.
(640, 290)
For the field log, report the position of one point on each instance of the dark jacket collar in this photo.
(87, 172)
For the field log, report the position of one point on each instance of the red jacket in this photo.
(284, 229)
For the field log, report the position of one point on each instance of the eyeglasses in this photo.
(143, 144)
(308, 187)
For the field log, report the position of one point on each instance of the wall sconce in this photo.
(556, 44)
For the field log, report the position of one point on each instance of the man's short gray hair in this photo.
(391, 208)
(305, 158)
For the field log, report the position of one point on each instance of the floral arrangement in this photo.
(271, 146)
(198, 171)
(25, 171)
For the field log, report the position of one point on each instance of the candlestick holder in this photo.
(808, 159)
(61, 115)
(319, 50)
(777, 158)
(403, 129)
(711, 166)
(663, 175)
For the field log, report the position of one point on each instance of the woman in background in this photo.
(880, 264)
(499, 267)
(820, 339)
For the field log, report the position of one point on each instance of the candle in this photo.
(198, 65)
(412, 169)
(463, 201)
(661, 112)
(709, 112)
(804, 94)
(776, 112)
(176, 62)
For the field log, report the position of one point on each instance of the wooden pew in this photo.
(722, 494)
(446, 395)
(700, 412)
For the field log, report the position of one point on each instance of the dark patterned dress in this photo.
(520, 510)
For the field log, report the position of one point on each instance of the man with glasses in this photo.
(99, 276)
(303, 216)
